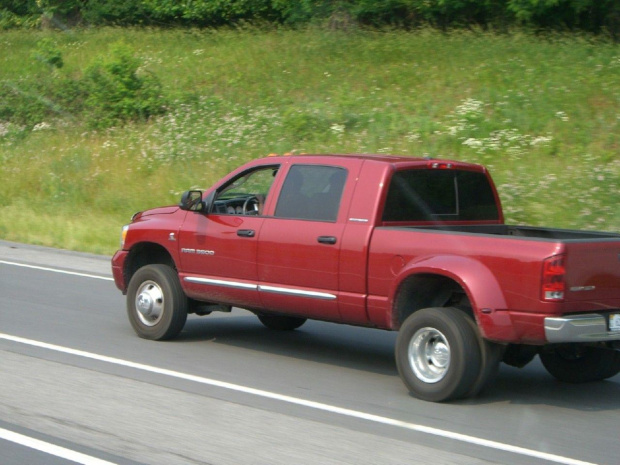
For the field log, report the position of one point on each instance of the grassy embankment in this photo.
(542, 113)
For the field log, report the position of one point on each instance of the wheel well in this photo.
(146, 253)
(425, 291)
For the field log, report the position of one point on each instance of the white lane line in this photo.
(54, 270)
(51, 449)
(305, 403)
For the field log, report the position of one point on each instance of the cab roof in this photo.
(390, 159)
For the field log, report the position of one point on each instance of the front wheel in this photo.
(577, 363)
(438, 354)
(156, 303)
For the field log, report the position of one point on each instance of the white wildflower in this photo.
(473, 143)
(41, 126)
(541, 140)
(469, 106)
(337, 128)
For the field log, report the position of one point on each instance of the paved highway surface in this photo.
(77, 386)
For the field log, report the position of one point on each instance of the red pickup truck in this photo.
(414, 245)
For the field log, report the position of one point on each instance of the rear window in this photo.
(440, 195)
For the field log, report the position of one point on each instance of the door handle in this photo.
(246, 233)
(327, 240)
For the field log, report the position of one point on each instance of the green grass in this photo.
(542, 112)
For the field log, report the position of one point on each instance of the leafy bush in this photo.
(118, 91)
(16, 18)
(48, 52)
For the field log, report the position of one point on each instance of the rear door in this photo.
(299, 246)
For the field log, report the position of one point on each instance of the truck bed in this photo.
(525, 232)
(514, 257)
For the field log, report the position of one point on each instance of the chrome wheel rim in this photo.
(150, 303)
(429, 355)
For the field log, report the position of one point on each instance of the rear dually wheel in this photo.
(579, 363)
(438, 354)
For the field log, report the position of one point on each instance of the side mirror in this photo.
(192, 201)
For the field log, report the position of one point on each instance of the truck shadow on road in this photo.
(362, 349)
(372, 351)
(532, 385)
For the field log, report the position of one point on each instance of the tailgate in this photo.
(593, 272)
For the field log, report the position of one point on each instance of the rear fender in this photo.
(477, 281)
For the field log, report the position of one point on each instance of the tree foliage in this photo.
(588, 15)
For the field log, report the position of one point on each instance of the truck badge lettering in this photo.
(582, 288)
(205, 252)
(198, 251)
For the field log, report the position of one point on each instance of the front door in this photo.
(218, 249)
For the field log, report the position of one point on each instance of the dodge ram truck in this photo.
(414, 245)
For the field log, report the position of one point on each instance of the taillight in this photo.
(553, 275)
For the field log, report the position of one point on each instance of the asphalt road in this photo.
(77, 386)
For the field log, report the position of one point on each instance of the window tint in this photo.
(311, 192)
(440, 195)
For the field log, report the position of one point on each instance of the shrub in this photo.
(119, 91)
(47, 52)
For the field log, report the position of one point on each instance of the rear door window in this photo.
(311, 192)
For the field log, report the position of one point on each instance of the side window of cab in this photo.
(247, 193)
(312, 192)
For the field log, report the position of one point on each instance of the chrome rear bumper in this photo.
(579, 328)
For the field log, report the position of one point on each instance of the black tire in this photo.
(281, 322)
(491, 355)
(578, 363)
(156, 303)
(438, 354)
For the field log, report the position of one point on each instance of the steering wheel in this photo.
(251, 200)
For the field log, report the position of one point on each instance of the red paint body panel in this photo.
(118, 267)
(286, 266)
(235, 259)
